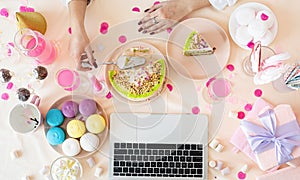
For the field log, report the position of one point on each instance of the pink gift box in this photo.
(272, 133)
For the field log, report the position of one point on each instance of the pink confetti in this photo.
(170, 87)
(258, 92)
(4, 12)
(9, 85)
(136, 9)
(248, 107)
(241, 115)
(230, 67)
(250, 44)
(196, 110)
(241, 175)
(109, 95)
(264, 17)
(169, 30)
(209, 81)
(122, 39)
(104, 27)
(156, 2)
(70, 30)
(5, 96)
(26, 9)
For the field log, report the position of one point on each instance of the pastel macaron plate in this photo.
(76, 126)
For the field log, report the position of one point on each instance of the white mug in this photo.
(26, 117)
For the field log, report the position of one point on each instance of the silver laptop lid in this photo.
(158, 128)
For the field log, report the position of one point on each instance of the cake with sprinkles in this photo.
(196, 45)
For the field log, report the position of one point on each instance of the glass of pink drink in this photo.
(68, 79)
(218, 89)
(34, 44)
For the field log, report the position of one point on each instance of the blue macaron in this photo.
(56, 136)
(54, 117)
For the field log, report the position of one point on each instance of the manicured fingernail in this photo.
(146, 10)
(140, 22)
(152, 33)
(144, 32)
(95, 64)
(140, 29)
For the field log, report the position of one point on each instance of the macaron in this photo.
(245, 15)
(89, 142)
(95, 123)
(56, 136)
(70, 109)
(71, 147)
(54, 117)
(257, 28)
(87, 107)
(266, 39)
(75, 128)
(265, 17)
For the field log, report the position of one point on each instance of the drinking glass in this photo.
(265, 53)
(68, 79)
(217, 90)
(33, 44)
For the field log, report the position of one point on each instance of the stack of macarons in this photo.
(254, 25)
(82, 126)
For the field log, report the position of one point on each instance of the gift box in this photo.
(273, 134)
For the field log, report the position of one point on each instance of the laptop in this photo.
(158, 146)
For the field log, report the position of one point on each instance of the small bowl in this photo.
(65, 167)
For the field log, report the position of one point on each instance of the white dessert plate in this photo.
(233, 24)
(136, 72)
(198, 67)
(77, 98)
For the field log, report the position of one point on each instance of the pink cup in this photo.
(219, 89)
(34, 44)
(68, 79)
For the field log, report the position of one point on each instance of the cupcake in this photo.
(71, 147)
(95, 123)
(54, 117)
(70, 109)
(89, 142)
(55, 136)
(5, 75)
(40, 72)
(75, 128)
(245, 15)
(87, 107)
(23, 94)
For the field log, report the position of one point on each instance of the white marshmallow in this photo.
(245, 15)
(91, 162)
(266, 17)
(219, 148)
(98, 171)
(26, 178)
(225, 171)
(257, 29)
(219, 165)
(44, 170)
(212, 164)
(242, 35)
(214, 143)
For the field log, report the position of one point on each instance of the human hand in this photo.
(166, 14)
(78, 47)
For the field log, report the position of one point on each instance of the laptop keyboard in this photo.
(158, 160)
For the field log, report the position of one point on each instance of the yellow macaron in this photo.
(95, 123)
(75, 128)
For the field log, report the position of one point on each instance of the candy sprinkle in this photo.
(258, 92)
(196, 110)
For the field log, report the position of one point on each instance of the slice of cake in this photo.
(196, 45)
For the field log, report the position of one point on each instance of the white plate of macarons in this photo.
(252, 22)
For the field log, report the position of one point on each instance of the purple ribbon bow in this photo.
(283, 138)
